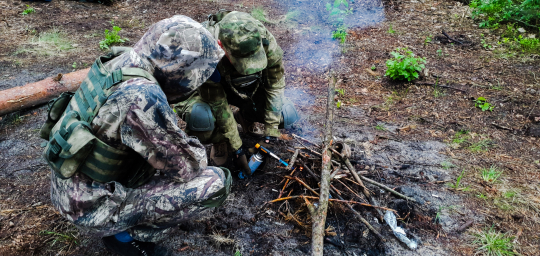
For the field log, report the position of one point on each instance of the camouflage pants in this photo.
(148, 213)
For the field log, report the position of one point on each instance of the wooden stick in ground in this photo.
(306, 140)
(319, 216)
(388, 189)
(332, 200)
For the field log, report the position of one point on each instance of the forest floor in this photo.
(425, 138)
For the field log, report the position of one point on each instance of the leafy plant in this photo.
(482, 103)
(481, 196)
(340, 33)
(341, 91)
(380, 127)
(427, 40)
(338, 104)
(491, 174)
(492, 243)
(74, 65)
(493, 12)
(237, 253)
(404, 65)
(28, 10)
(439, 53)
(337, 13)
(373, 68)
(111, 37)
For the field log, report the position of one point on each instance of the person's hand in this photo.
(268, 142)
(241, 162)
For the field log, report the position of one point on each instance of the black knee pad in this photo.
(201, 118)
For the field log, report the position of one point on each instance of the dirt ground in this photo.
(406, 135)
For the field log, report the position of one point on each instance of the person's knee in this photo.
(200, 122)
(289, 114)
(219, 188)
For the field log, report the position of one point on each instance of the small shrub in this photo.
(28, 10)
(492, 243)
(482, 104)
(111, 37)
(404, 66)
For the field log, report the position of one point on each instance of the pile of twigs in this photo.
(316, 182)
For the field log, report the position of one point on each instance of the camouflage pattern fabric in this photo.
(137, 117)
(263, 99)
(148, 212)
(182, 53)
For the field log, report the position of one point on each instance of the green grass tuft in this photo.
(491, 174)
(492, 243)
(259, 13)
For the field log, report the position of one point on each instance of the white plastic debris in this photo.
(390, 218)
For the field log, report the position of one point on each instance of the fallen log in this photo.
(34, 94)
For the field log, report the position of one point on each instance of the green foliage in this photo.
(427, 40)
(59, 237)
(457, 184)
(237, 253)
(391, 30)
(480, 146)
(481, 196)
(28, 10)
(491, 174)
(492, 243)
(439, 53)
(337, 12)
(403, 65)
(484, 43)
(111, 37)
(380, 127)
(338, 104)
(340, 33)
(373, 68)
(460, 137)
(482, 104)
(513, 40)
(341, 91)
(74, 65)
(494, 12)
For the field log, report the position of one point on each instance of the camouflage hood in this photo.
(182, 52)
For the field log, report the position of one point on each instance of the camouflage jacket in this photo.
(138, 116)
(272, 82)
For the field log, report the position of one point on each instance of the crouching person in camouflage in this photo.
(122, 168)
(250, 78)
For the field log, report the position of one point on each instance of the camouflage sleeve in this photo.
(213, 94)
(275, 86)
(150, 128)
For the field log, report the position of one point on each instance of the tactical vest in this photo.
(72, 146)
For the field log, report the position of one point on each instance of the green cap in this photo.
(241, 39)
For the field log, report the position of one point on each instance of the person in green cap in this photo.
(251, 77)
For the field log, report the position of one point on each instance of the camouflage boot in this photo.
(219, 153)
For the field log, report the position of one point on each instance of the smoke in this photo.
(315, 22)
